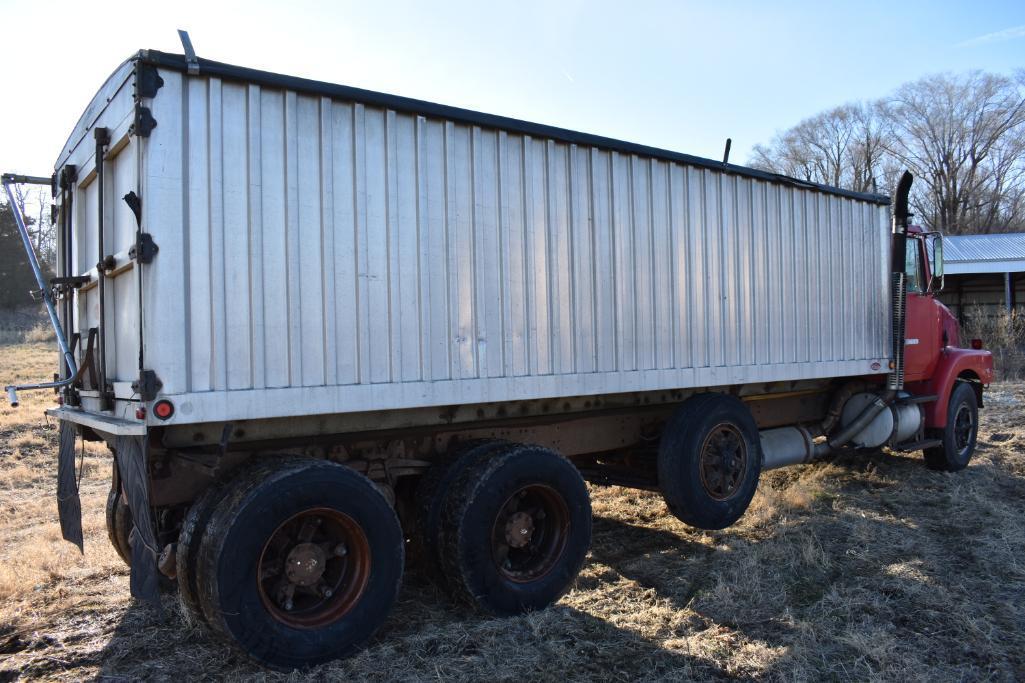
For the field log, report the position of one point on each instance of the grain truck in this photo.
(322, 328)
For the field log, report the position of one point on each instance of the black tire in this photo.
(119, 524)
(189, 540)
(431, 493)
(711, 492)
(279, 500)
(119, 529)
(960, 434)
(481, 504)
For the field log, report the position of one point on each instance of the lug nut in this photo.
(341, 550)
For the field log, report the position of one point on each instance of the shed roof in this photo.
(999, 253)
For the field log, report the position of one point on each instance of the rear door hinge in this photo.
(144, 122)
(147, 80)
(68, 176)
(147, 385)
(144, 248)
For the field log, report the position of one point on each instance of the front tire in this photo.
(960, 434)
(300, 562)
(709, 461)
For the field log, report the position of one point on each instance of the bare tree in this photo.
(841, 147)
(869, 169)
(34, 206)
(962, 138)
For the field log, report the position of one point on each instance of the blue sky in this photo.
(679, 75)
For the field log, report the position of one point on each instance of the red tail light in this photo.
(976, 344)
(140, 413)
(163, 409)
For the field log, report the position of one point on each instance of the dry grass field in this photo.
(858, 568)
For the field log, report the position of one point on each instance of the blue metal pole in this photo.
(47, 299)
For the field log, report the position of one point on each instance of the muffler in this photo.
(786, 446)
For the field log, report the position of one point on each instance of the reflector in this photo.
(163, 409)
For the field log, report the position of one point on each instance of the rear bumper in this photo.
(98, 422)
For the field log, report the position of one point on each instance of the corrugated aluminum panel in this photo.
(1002, 247)
(968, 254)
(322, 256)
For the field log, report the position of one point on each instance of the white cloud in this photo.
(1012, 33)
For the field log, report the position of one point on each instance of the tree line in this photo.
(962, 136)
(16, 277)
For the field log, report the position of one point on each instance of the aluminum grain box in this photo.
(324, 249)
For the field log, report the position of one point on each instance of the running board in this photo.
(920, 399)
(918, 445)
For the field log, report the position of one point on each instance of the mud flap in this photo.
(131, 462)
(69, 505)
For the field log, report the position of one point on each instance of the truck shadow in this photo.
(888, 547)
(424, 638)
(877, 553)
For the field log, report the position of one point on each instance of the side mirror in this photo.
(934, 248)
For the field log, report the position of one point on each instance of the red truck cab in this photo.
(935, 359)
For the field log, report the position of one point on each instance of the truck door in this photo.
(923, 331)
(103, 229)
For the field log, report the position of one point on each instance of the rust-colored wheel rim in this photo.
(314, 568)
(530, 533)
(723, 461)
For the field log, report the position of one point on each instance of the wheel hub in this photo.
(723, 461)
(963, 428)
(530, 533)
(519, 529)
(314, 568)
(305, 564)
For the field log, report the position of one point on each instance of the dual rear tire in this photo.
(295, 562)
(298, 561)
(513, 530)
(119, 520)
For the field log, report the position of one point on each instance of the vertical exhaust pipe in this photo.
(899, 292)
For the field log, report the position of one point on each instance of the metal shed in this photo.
(984, 271)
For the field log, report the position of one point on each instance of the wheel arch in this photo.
(974, 380)
(966, 365)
